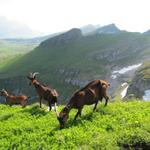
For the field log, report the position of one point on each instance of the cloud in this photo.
(12, 29)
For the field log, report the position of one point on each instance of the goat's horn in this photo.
(34, 73)
(55, 109)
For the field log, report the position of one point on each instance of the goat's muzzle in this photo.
(61, 122)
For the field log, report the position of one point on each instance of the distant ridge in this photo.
(108, 29)
(89, 29)
(147, 32)
(63, 38)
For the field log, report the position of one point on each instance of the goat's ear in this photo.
(3, 90)
(34, 74)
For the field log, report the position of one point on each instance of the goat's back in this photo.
(89, 94)
(17, 99)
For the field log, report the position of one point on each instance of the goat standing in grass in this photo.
(43, 91)
(11, 99)
(90, 94)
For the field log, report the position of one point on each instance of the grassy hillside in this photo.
(84, 53)
(9, 51)
(121, 125)
(69, 64)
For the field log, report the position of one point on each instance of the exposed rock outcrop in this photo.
(140, 82)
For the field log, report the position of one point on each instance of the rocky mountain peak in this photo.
(63, 38)
(111, 28)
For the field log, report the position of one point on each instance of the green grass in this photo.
(120, 125)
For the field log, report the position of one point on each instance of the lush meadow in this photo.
(120, 125)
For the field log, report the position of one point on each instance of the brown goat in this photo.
(90, 94)
(11, 99)
(43, 91)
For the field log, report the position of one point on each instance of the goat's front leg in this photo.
(106, 98)
(95, 106)
(40, 102)
(55, 107)
(49, 106)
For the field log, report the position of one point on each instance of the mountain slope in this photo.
(70, 60)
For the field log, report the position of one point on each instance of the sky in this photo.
(51, 16)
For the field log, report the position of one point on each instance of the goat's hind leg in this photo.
(23, 104)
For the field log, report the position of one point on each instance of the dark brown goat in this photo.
(90, 94)
(11, 99)
(43, 91)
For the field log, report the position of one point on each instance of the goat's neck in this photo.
(69, 107)
(36, 84)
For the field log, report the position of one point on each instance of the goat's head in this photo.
(32, 77)
(63, 117)
(3, 92)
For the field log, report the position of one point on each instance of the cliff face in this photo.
(140, 82)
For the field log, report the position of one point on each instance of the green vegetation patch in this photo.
(144, 71)
(120, 125)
